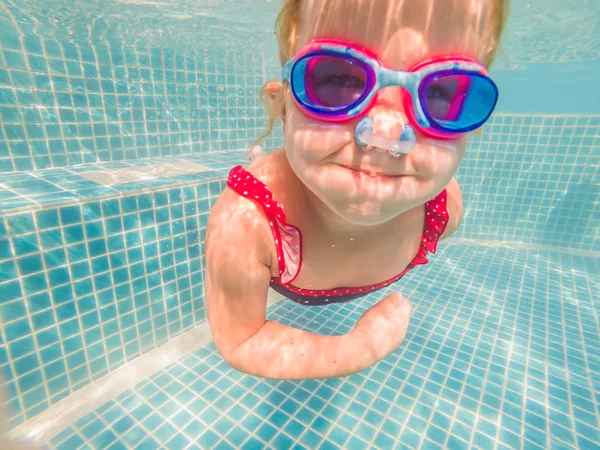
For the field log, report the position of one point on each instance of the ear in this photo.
(274, 90)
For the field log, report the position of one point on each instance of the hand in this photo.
(382, 328)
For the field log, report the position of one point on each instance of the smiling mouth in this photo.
(373, 174)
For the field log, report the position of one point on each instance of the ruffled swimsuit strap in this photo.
(288, 239)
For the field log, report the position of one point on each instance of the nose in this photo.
(388, 122)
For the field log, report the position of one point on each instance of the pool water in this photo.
(119, 122)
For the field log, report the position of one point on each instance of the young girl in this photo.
(377, 99)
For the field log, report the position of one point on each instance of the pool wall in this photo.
(94, 274)
(65, 104)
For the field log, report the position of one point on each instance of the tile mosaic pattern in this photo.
(90, 285)
(535, 173)
(63, 104)
(502, 353)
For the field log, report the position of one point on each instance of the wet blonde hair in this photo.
(286, 29)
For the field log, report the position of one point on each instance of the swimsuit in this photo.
(288, 243)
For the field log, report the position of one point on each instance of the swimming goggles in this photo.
(336, 81)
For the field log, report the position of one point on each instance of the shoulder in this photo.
(238, 221)
(454, 205)
(271, 169)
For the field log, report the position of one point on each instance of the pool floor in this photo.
(503, 351)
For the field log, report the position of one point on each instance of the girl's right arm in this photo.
(238, 276)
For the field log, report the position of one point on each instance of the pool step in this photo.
(91, 282)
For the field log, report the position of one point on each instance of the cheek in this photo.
(293, 126)
(312, 140)
(439, 160)
(297, 136)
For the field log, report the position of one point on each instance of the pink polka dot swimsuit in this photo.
(288, 242)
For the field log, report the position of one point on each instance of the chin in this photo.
(364, 198)
(366, 204)
(365, 214)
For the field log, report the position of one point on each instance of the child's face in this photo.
(401, 33)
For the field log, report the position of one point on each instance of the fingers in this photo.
(397, 300)
(397, 315)
(393, 305)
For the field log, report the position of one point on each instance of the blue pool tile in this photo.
(94, 229)
(30, 264)
(165, 432)
(8, 270)
(122, 425)
(73, 234)
(223, 446)
(96, 247)
(15, 202)
(42, 320)
(118, 445)
(36, 395)
(265, 432)
(129, 205)
(585, 442)
(169, 408)
(114, 225)
(56, 197)
(21, 224)
(12, 311)
(58, 385)
(26, 364)
(584, 416)
(47, 219)
(283, 442)
(153, 421)
(51, 239)
(74, 441)
(134, 436)
(70, 215)
(62, 436)
(311, 439)
(483, 441)
(5, 250)
(17, 329)
(141, 412)
(591, 433)
(178, 442)
(25, 244)
(148, 444)
(110, 208)
(207, 439)
(59, 276)
(62, 294)
(340, 436)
